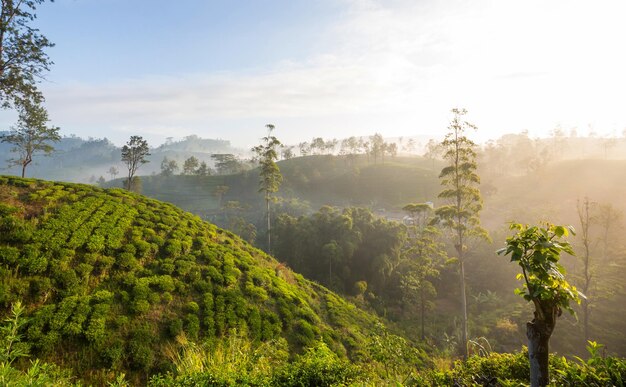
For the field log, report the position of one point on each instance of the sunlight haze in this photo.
(332, 68)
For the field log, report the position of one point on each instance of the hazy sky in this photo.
(332, 68)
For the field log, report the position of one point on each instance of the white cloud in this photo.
(396, 67)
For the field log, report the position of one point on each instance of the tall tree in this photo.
(134, 155)
(191, 165)
(377, 146)
(424, 252)
(22, 58)
(31, 135)
(270, 176)
(538, 250)
(113, 171)
(609, 219)
(585, 224)
(463, 202)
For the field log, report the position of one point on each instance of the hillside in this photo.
(110, 278)
(547, 194)
(318, 180)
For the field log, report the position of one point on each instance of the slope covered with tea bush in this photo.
(111, 279)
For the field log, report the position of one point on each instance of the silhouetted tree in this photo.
(134, 155)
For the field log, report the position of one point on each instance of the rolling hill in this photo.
(110, 279)
(319, 180)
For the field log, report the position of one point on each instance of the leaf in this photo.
(560, 231)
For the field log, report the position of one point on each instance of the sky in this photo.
(332, 68)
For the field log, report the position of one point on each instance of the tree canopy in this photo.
(23, 60)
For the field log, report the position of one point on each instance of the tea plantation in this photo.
(112, 282)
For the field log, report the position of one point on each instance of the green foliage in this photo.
(511, 369)
(12, 348)
(109, 278)
(338, 248)
(460, 194)
(23, 61)
(318, 366)
(229, 361)
(32, 134)
(393, 357)
(267, 155)
(537, 250)
(11, 345)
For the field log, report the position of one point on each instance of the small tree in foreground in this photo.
(537, 250)
(134, 155)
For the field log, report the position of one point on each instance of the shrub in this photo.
(318, 366)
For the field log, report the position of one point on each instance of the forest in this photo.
(428, 259)
(152, 295)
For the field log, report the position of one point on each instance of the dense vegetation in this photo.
(547, 192)
(110, 279)
(348, 248)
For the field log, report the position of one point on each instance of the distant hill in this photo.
(110, 278)
(319, 180)
(79, 160)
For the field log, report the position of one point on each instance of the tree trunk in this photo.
(538, 332)
(464, 303)
(423, 307)
(269, 228)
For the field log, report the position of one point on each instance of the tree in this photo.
(168, 167)
(113, 171)
(462, 199)
(287, 152)
(22, 57)
(585, 224)
(31, 135)
(433, 151)
(190, 165)
(134, 155)
(227, 163)
(538, 250)
(377, 146)
(203, 169)
(270, 176)
(219, 193)
(423, 251)
(609, 219)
